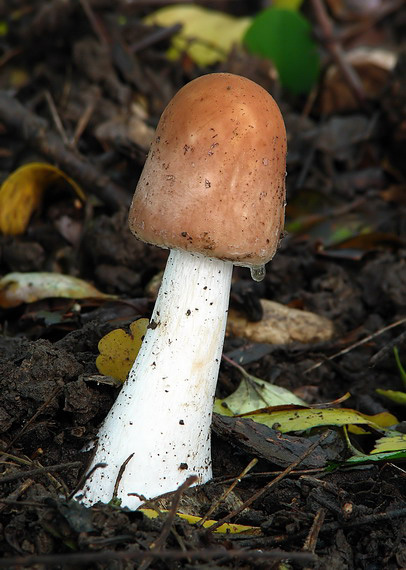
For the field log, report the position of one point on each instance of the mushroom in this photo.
(212, 191)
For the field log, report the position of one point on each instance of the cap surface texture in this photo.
(214, 179)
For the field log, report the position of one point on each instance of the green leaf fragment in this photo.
(284, 36)
(391, 447)
(252, 394)
(361, 459)
(393, 395)
(302, 419)
(392, 441)
(402, 371)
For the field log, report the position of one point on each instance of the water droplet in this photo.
(258, 272)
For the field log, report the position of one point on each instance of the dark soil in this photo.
(76, 62)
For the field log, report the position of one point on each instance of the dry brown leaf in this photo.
(281, 325)
(372, 65)
(352, 10)
(126, 129)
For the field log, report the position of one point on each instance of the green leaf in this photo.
(360, 459)
(393, 395)
(390, 447)
(284, 36)
(390, 442)
(254, 393)
(401, 369)
(295, 418)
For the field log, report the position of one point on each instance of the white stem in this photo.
(161, 419)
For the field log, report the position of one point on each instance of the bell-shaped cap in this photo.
(214, 179)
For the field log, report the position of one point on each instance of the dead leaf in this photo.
(388, 443)
(226, 528)
(21, 194)
(118, 350)
(395, 193)
(207, 36)
(254, 393)
(262, 441)
(352, 10)
(127, 128)
(372, 65)
(18, 288)
(340, 136)
(281, 325)
(293, 418)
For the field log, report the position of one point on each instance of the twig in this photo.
(235, 364)
(15, 458)
(83, 122)
(120, 474)
(387, 348)
(155, 37)
(35, 130)
(12, 498)
(224, 495)
(158, 544)
(56, 118)
(356, 345)
(334, 48)
(262, 474)
(374, 17)
(38, 471)
(95, 23)
(85, 558)
(367, 519)
(266, 488)
(311, 539)
(53, 395)
(86, 475)
(172, 513)
(8, 55)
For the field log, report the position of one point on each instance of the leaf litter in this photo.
(329, 487)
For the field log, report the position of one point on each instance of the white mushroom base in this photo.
(157, 433)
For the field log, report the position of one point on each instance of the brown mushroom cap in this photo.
(214, 179)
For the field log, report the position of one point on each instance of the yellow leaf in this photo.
(226, 528)
(390, 443)
(293, 418)
(383, 420)
(288, 4)
(118, 350)
(21, 194)
(207, 36)
(18, 288)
